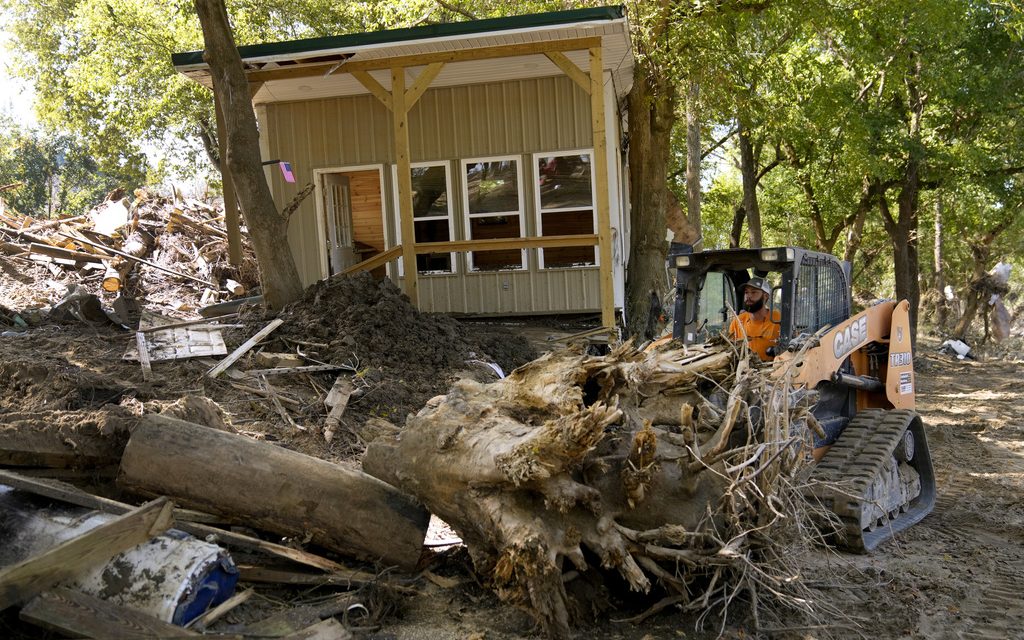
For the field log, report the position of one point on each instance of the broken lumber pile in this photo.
(667, 471)
(275, 489)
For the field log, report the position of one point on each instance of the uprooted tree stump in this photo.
(671, 468)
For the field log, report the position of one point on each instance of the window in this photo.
(565, 206)
(493, 197)
(717, 303)
(432, 215)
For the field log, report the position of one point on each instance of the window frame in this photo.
(451, 215)
(468, 217)
(539, 211)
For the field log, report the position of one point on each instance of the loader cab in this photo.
(810, 290)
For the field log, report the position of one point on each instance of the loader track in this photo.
(844, 477)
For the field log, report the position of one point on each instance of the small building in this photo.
(488, 153)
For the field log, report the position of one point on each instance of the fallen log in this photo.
(24, 442)
(275, 489)
(640, 469)
(137, 245)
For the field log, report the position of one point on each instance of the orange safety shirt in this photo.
(760, 334)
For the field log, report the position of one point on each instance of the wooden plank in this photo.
(403, 167)
(494, 244)
(343, 389)
(60, 252)
(376, 261)
(483, 53)
(218, 612)
(570, 69)
(600, 165)
(329, 629)
(189, 323)
(57, 490)
(296, 619)
(373, 87)
(244, 348)
(142, 261)
(147, 369)
(73, 495)
(422, 83)
(26, 579)
(312, 368)
(264, 575)
(79, 615)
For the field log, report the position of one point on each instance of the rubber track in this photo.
(854, 461)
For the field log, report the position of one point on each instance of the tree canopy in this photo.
(850, 127)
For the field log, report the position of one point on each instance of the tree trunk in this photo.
(903, 236)
(651, 117)
(693, 158)
(270, 487)
(267, 228)
(870, 189)
(939, 282)
(748, 170)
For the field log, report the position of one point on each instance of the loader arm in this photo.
(883, 329)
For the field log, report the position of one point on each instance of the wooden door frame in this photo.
(321, 213)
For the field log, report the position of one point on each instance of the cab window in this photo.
(717, 297)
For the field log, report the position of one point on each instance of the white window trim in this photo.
(321, 215)
(540, 212)
(521, 213)
(451, 215)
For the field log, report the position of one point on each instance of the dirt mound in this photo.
(403, 356)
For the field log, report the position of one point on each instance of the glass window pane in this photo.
(495, 227)
(567, 223)
(429, 191)
(564, 181)
(493, 187)
(715, 299)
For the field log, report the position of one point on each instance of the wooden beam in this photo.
(26, 579)
(373, 87)
(372, 263)
(73, 495)
(223, 365)
(400, 117)
(570, 69)
(422, 83)
(147, 368)
(78, 615)
(497, 244)
(462, 55)
(231, 221)
(600, 164)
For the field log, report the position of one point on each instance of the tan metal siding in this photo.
(517, 117)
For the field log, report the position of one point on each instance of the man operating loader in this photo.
(756, 323)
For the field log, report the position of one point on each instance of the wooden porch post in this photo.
(400, 117)
(604, 225)
(230, 203)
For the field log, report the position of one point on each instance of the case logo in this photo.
(850, 338)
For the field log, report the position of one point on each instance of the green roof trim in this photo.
(446, 30)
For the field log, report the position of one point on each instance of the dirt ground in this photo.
(957, 574)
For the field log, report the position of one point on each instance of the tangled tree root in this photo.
(675, 469)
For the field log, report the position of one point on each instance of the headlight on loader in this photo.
(682, 262)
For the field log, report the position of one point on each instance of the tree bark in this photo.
(267, 228)
(270, 487)
(651, 117)
(939, 282)
(748, 170)
(870, 190)
(693, 158)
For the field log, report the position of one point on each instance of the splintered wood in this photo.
(671, 468)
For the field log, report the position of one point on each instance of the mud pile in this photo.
(403, 356)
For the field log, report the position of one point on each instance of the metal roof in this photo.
(315, 61)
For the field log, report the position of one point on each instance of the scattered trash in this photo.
(955, 347)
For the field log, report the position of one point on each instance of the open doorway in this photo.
(352, 220)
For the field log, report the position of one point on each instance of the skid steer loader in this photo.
(873, 462)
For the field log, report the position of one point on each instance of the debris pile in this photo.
(179, 242)
(674, 473)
